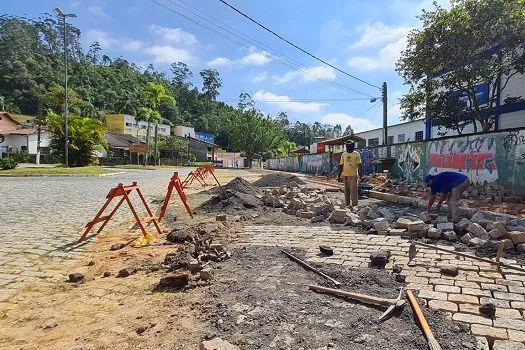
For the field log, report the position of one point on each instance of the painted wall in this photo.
(489, 158)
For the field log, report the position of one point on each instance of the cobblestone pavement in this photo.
(459, 296)
(43, 217)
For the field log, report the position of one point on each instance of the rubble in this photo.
(478, 231)
(278, 180)
(417, 225)
(403, 223)
(450, 236)
(220, 217)
(479, 242)
(217, 344)
(488, 309)
(326, 250)
(434, 232)
(379, 258)
(206, 274)
(76, 277)
(175, 281)
(517, 237)
(445, 226)
(318, 218)
(117, 246)
(449, 270)
(425, 217)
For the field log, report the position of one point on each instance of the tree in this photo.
(286, 147)
(348, 131)
(211, 83)
(181, 74)
(471, 50)
(86, 135)
(175, 146)
(253, 133)
(245, 101)
(150, 116)
(154, 94)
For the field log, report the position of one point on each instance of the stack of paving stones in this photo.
(459, 296)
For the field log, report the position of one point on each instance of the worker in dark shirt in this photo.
(451, 185)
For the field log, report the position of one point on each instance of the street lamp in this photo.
(63, 15)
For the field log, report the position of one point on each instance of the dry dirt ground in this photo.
(258, 299)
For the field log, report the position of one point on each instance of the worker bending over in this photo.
(451, 185)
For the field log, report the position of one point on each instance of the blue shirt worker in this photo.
(349, 166)
(450, 184)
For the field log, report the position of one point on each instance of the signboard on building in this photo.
(140, 148)
(204, 136)
(320, 148)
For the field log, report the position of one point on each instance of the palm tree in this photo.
(153, 95)
(149, 115)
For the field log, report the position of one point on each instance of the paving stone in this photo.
(518, 305)
(417, 225)
(497, 302)
(470, 318)
(509, 296)
(469, 308)
(466, 284)
(515, 335)
(425, 294)
(489, 332)
(447, 289)
(463, 298)
(494, 287)
(518, 325)
(477, 230)
(508, 313)
(517, 237)
(507, 345)
(443, 305)
(477, 292)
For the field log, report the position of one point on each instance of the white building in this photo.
(15, 137)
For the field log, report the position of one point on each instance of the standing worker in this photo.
(349, 164)
(450, 184)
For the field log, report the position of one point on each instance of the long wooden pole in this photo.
(500, 263)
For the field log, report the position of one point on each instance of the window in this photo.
(129, 125)
(401, 138)
(390, 140)
(373, 142)
(361, 144)
(419, 135)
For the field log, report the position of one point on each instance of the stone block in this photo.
(379, 258)
(478, 231)
(386, 213)
(372, 214)
(305, 214)
(507, 345)
(477, 217)
(489, 332)
(445, 226)
(450, 236)
(434, 233)
(426, 294)
(425, 217)
(397, 232)
(496, 234)
(381, 224)
(441, 219)
(403, 222)
(477, 242)
(442, 305)
(462, 225)
(467, 237)
(521, 247)
(517, 237)
(417, 225)
(217, 344)
(501, 226)
(318, 218)
(469, 318)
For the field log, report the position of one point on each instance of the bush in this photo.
(20, 156)
(8, 163)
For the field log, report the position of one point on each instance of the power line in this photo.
(369, 108)
(289, 62)
(296, 46)
(301, 100)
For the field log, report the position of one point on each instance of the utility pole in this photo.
(385, 114)
(63, 15)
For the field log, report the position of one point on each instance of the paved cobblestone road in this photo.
(43, 216)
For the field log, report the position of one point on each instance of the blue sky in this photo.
(363, 38)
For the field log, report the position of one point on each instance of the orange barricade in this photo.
(177, 185)
(122, 191)
(194, 175)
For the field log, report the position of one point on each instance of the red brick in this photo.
(470, 318)
(489, 332)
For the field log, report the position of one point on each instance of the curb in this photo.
(62, 175)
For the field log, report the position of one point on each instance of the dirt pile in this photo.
(264, 302)
(231, 203)
(376, 179)
(278, 180)
(238, 185)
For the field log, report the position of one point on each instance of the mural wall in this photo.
(496, 157)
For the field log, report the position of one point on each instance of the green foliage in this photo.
(86, 136)
(348, 131)
(475, 42)
(286, 147)
(8, 163)
(212, 82)
(20, 157)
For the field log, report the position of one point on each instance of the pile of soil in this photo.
(278, 180)
(261, 300)
(238, 185)
(232, 203)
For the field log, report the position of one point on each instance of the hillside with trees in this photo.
(31, 82)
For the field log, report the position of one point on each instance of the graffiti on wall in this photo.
(367, 161)
(313, 163)
(285, 164)
(409, 161)
(474, 158)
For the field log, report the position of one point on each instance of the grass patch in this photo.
(88, 170)
(141, 167)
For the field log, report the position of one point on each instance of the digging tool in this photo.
(499, 263)
(432, 342)
(392, 304)
(311, 268)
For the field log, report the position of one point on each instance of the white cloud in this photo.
(219, 62)
(358, 124)
(255, 57)
(384, 60)
(105, 39)
(285, 103)
(175, 35)
(259, 77)
(394, 107)
(97, 11)
(132, 45)
(170, 54)
(307, 74)
(409, 9)
(378, 34)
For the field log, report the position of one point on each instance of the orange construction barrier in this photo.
(177, 185)
(194, 175)
(122, 191)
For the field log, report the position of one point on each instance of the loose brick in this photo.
(518, 325)
(447, 289)
(508, 313)
(469, 308)
(466, 284)
(507, 345)
(489, 332)
(478, 292)
(509, 296)
(443, 305)
(426, 294)
(462, 298)
(517, 237)
(494, 287)
(516, 335)
(497, 302)
(470, 318)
